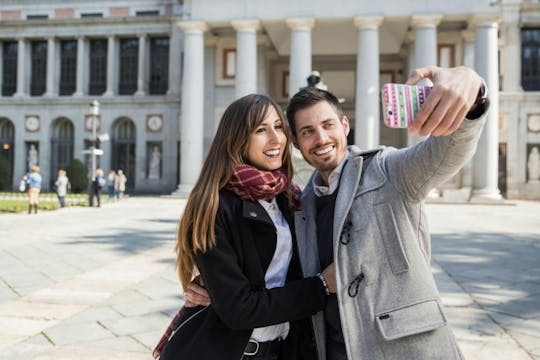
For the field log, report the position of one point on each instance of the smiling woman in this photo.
(235, 232)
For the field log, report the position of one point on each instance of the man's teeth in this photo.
(324, 151)
(272, 152)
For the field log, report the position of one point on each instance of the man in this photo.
(364, 211)
(369, 204)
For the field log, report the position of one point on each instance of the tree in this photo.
(77, 175)
(5, 173)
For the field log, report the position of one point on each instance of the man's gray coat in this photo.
(389, 304)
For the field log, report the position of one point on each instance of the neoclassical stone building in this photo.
(171, 68)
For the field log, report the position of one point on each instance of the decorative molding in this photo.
(368, 22)
(246, 25)
(196, 27)
(300, 23)
(426, 20)
(154, 122)
(32, 123)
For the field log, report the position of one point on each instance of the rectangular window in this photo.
(9, 68)
(39, 68)
(37, 17)
(98, 67)
(530, 59)
(68, 67)
(129, 65)
(147, 13)
(229, 63)
(159, 66)
(91, 15)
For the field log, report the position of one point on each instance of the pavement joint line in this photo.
(47, 338)
(9, 286)
(151, 258)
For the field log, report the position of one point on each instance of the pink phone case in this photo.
(400, 103)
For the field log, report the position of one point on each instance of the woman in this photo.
(34, 187)
(61, 184)
(237, 232)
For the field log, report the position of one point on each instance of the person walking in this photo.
(120, 184)
(34, 187)
(110, 185)
(96, 187)
(237, 232)
(61, 185)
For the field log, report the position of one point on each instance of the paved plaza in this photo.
(89, 283)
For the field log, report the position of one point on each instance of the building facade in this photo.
(218, 50)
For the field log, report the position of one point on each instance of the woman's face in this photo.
(266, 144)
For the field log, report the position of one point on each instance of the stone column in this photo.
(246, 56)
(50, 89)
(511, 51)
(468, 60)
(141, 73)
(425, 42)
(21, 68)
(425, 50)
(300, 58)
(81, 66)
(192, 109)
(486, 159)
(175, 54)
(366, 134)
(111, 67)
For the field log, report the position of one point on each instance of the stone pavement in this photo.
(89, 283)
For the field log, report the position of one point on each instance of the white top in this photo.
(277, 271)
(320, 189)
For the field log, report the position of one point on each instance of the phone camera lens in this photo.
(390, 112)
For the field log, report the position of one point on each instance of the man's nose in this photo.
(321, 136)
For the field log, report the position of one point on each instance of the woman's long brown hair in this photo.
(196, 228)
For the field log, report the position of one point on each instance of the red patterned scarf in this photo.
(250, 183)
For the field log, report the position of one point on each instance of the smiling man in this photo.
(364, 211)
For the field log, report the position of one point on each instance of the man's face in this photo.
(321, 136)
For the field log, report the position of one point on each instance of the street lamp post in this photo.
(94, 111)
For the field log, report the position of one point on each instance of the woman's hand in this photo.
(329, 275)
(196, 294)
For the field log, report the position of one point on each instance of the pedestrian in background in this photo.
(61, 184)
(110, 184)
(97, 185)
(120, 184)
(34, 187)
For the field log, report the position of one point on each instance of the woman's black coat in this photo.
(233, 272)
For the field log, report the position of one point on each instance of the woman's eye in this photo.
(260, 130)
(280, 126)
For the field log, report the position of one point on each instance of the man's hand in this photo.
(452, 97)
(195, 294)
(329, 275)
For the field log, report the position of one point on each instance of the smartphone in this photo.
(400, 103)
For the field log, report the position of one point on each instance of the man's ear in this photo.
(295, 142)
(346, 125)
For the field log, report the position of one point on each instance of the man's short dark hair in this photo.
(307, 97)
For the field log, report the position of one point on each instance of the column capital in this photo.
(250, 25)
(142, 35)
(426, 20)
(368, 22)
(486, 19)
(192, 26)
(300, 23)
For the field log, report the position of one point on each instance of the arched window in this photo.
(123, 143)
(61, 146)
(7, 137)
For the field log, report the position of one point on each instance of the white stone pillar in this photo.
(141, 73)
(81, 66)
(425, 50)
(175, 54)
(366, 134)
(511, 51)
(111, 68)
(50, 89)
(468, 60)
(425, 42)
(246, 56)
(192, 107)
(486, 159)
(21, 68)
(300, 57)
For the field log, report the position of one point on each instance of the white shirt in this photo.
(320, 189)
(277, 271)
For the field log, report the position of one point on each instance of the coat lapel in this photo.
(306, 233)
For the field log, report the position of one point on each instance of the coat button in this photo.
(253, 214)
